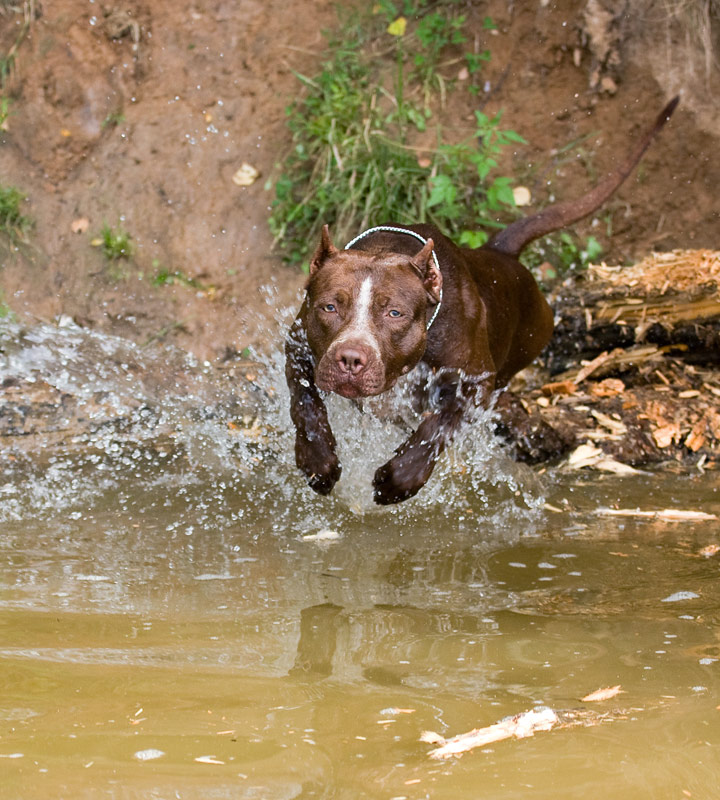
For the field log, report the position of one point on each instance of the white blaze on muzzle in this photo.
(360, 328)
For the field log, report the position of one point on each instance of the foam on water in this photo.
(162, 428)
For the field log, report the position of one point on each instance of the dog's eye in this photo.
(394, 313)
(329, 307)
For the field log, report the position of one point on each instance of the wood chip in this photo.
(609, 387)
(591, 366)
(713, 418)
(246, 175)
(602, 694)
(666, 434)
(588, 455)
(326, 535)
(393, 711)
(80, 225)
(696, 438)
(709, 550)
(613, 425)
(559, 387)
(668, 514)
(521, 195)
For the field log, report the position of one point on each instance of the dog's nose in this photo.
(352, 360)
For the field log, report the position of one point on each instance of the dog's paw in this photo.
(320, 466)
(397, 481)
(323, 482)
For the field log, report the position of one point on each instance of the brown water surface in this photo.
(172, 627)
(295, 668)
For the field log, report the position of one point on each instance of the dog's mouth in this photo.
(349, 390)
(353, 389)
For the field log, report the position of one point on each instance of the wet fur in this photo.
(493, 322)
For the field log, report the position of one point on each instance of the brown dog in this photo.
(398, 295)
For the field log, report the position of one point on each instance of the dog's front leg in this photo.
(314, 441)
(411, 466)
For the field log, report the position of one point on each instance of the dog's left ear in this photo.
(431, 276)
(324, 250)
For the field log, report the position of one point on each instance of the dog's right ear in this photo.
(324, 250)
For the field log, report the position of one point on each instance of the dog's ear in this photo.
(324, 250)
(431, 276)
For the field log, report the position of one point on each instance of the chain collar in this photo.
(392, 229)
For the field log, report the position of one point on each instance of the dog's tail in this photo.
(517, 235)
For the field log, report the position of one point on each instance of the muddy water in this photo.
(173, 626)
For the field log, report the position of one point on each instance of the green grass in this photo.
(5, 311)
(113, 119)
(559, 254)
(4, 111)
(8, 59)
(116, 243)
(353, 161)
(165, 277)
(14, 225)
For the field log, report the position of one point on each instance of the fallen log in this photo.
(633, 368)
(668, 300)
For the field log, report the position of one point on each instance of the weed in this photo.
(115, 243)
(4, 112)
(559, 254)
(113, 119)
(435, 32)
(13, 223)
(352, 162)
(7, 61)
(163, 277)
(5, 311)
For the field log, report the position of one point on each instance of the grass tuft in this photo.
(13, 223)
(116, 243)
(355, 159)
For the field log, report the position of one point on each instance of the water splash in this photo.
(110, 423)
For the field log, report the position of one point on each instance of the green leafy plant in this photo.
(164, 277)
(116, 243)
(462, 197)
(353, 163)
(13, 223)
(7, 60)
(4, 111)
(113, 119)
(559, 254)
(5, 311)
(435, 31)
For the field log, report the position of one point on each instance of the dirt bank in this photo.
(143, 112)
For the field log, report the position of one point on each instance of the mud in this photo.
(140, 114)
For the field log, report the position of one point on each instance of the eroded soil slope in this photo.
(141, 113)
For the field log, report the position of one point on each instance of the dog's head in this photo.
(366, 315)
